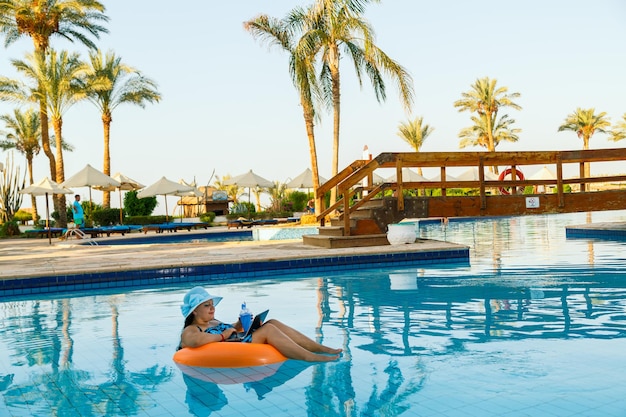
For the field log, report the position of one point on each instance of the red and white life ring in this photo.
(503, 175)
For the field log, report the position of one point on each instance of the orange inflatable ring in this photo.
(229, 355)
(506, 172)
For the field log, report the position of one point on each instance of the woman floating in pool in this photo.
(201, 328)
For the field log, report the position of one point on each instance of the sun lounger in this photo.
(191, 225)
(174, 227)
(159, 228)
(240, 223)
(265, 222)
(93, 232)
(122, 230)
(54, 232)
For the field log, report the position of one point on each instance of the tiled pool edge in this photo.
(611, 231)
(223, 271)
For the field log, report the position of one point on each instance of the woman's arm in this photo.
(193, 337)
(237, 325)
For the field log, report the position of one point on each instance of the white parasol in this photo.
(44, 187)
(90, 177)
(164, 187)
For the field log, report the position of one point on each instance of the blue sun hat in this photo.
(195, 297)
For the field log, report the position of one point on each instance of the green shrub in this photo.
(243, 209)
(207, 217)
(141, 220)
(9, 229)
(139, 206)
(298, 200)
(106, 217)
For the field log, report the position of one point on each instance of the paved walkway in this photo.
(21, 258)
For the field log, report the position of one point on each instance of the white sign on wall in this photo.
(532, 202)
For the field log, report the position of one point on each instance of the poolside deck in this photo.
(34, 265)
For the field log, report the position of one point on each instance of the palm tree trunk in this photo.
(106, 122)
(587, 168)
(334, 71)
(310, 132)
(47, 150)
(491, 145)
(57, 124)
(33, 199)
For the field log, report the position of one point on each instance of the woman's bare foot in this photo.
(329, 350)
(323, 358)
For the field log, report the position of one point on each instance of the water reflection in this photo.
(392, 324)
(56, 385)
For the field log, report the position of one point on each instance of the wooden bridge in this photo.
(371, 208)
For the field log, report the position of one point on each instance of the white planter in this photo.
(398, 234)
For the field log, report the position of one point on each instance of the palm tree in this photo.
(332, 26)
(302, 71)
(110, 83)
(414, 132)
(619, 130)
(585, 122)
(24, 135)
(58, 79)
(41, 20)
(232, 191)
(486, 99)
(478, 133)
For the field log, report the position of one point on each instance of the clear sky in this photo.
(229, 105)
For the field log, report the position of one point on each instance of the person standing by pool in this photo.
(201, 328)
(77, 212)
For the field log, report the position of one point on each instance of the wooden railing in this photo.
(349, 180)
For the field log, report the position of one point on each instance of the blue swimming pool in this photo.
(535, 325)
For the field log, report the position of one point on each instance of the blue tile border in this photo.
(226, 271)
(612, 234)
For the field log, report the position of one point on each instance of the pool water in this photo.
(535, 325)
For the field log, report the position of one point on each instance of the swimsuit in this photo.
(219, 329)
(223, 326)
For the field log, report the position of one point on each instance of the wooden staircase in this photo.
(364, 230)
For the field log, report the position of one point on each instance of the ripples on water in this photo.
(535, 325)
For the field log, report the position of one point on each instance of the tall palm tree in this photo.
(302, 70)
(24, 135)
(478, 133)
(331, 27)
(109, 83)
(58, 79)
(619, 130)
(486, 100)
(414, 132)
(585, 122)
(73, 20)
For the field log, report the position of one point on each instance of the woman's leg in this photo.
(302, 340)
(272, 335)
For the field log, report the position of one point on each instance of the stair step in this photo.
(372, 204)
(361, 214)
(330, 230)
(334, 242)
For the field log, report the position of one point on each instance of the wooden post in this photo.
(443, 180)
(481, 177)
(514, 178)
(581, 175)
(399, 187)
(559, 180)
(346, 212)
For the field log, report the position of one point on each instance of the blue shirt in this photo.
(78, 210)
